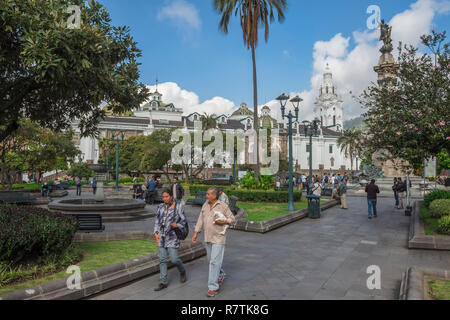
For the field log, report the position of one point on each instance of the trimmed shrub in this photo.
(435, 194)
(440, 208)
(444, 225)
(30, 233)
(251, 195)
(130, 180)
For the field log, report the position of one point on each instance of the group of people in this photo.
(171, 226)
(148, 193)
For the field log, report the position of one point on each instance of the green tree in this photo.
(80, 170)
(350, 144)
(252, 14)
(53, 74)
(410, 120)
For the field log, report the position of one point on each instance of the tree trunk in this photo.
(255, 113)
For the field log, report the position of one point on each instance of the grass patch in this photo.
(439, 289)
(261, 211)
(430, 223)
(93, 255)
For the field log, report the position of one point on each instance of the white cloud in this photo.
(190, 102)
(181, 13)
(353, 68)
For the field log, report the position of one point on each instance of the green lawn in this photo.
(261, 211)
(94, 255)
(439, 289)
(430, 224)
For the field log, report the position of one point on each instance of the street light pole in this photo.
(107, 165)
(311, 129)
(115, 137)
(295, 101)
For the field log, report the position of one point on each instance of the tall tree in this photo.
(52, 73)
(350, 143)
(252, 14)
(411, 119)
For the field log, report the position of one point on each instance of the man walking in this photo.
(342, 191)
(177, 189)
(94, 185)
(151, 190)
(78, 183)
(372, 190)
(214, 218)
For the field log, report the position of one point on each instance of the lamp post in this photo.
(107, 164)
(311, 129)
(115, 137)
(295, 102)
(192, 159)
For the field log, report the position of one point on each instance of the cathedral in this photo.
(155, 115)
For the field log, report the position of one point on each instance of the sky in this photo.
(201, 69)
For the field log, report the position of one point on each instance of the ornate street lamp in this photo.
(311, 129)
(115, 137)
(295, 102)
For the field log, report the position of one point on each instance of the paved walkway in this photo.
(308, 259)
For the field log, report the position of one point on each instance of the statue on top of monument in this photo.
(385, 36)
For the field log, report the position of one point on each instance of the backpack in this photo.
(181, 235)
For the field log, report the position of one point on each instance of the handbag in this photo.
(181, 234)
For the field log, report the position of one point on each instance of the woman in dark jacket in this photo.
(394, 188)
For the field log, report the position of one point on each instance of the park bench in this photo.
(89, 222)
(16, 197)
(200, 198)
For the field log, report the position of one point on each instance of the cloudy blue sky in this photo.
(201, 69)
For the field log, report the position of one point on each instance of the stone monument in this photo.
(386, 64)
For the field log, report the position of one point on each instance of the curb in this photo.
(414, 282)
(105, 278)
(418, 239)
(277, 222)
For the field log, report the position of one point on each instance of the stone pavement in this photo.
(308, 259)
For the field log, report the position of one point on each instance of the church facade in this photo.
(156, 115)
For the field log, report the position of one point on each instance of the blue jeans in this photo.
(214, 253)
(396, 198)
(164, 254)
(372, 203)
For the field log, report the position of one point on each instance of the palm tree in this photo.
(349, 143)
(208, 121)
(252, 13)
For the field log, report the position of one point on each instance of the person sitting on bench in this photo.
(139, 193)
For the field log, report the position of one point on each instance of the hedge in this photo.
(130, 180)
(30, 233)
(444, 225)
(435, 194)
(250, 195)
(440, 208)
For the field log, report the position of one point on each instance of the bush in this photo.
(251, 195)
(444, 225)
(440, 208)
(30, 233)
(435, 194)
(130, 180)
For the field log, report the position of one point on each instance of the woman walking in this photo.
(401, 188)
(170, 216)
(394, 188)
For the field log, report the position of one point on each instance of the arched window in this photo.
(195, 118)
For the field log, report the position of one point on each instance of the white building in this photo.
(156, 115)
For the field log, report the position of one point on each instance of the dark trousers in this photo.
(150, 197)
(372, 203)
(94, 189)
(78, 190)
(396, 199)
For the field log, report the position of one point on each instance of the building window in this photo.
(195, 118)
(331, 148)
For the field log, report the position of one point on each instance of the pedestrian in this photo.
(177, 189)
(138, 193)
(278, 184)
(94, 185)
(151, 191)
(214, 219)
(317, 188)
(169, 217)
(78, 184)
(325, 182)
(394, 188)
(401, 188)
(135, 184)
(45, 190)
(342, 192)
(372, 190)
(223, 197)
(303, 181)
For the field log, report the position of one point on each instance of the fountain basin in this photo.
(111, 210)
